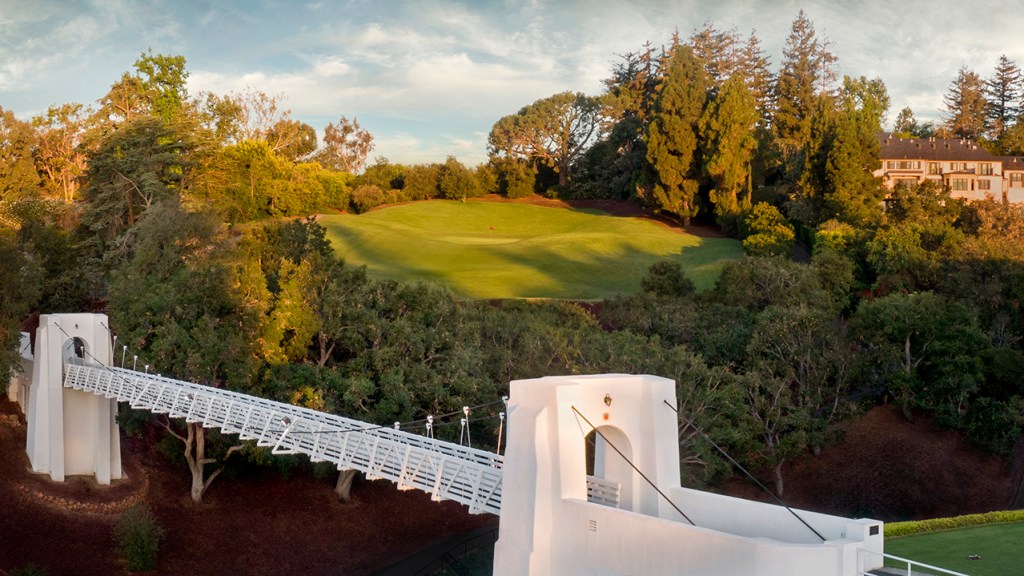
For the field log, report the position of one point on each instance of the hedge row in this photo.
(897, 529)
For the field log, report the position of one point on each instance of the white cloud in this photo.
(434, 75)
(331, 66)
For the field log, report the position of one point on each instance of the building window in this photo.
(960, 184)
(891, 165)
(1017, 179)
(934, 167)
(985, 168)
(958, 166)
(905, 165)
(984, 184)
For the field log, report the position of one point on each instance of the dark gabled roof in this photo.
(946, 149)
(1012, 162)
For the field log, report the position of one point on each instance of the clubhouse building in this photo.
(966, 169)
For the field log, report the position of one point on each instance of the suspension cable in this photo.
(631, 465)
(744, 470)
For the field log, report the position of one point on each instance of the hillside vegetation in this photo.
(497, 250)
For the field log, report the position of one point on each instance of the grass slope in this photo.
(999, 546)
(500, 250)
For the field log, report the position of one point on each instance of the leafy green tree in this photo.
(20, 278)
(966, 108)
(163, 78)
(18, 176)
(486, 176)
(868, 99)
(124, 102)
(906, 126)
(553, 130)
(172, 301)
(455, 181)
(813, 184)
(384, 175)
(346, 146)
(727, 131)
(516, 178)
(421, 182)
(757, 283)
(666, 278)
(920, 231)
(852, 193)
(59, 153)
(614, 166)
(417, 355)
(672, 143)
(924, 349)
(804, 346)
(766, 232)
(779, 423)
(292, 139)
(133, 168)
(65, 283)
(1012, 140)
(1003, 92)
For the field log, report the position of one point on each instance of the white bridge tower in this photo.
(631, 516)
(71, 432)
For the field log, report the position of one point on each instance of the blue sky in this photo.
(428, 78)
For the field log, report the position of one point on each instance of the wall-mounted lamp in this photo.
(607, 399)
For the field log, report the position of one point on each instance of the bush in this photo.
(897, 529)
(665, 278)
(138, 537)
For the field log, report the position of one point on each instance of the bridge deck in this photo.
(447, 471)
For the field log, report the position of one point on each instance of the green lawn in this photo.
(1001, 547)
(497, 250)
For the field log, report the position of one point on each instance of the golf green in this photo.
(996, 549)
(505, 250)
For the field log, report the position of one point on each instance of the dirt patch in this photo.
(889, 468)
(264, 524)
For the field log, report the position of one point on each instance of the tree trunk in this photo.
(908, 365)
(778, 478)
(195, 452)
(344, 486)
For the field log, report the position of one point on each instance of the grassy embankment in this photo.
(498, 250)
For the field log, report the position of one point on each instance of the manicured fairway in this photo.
(499, 250)
(1001, 547)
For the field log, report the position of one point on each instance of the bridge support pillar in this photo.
(545, 470)
(71, 432)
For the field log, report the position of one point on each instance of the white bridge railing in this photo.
(911, 567)
(447, 471)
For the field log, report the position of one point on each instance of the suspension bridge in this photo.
(630, 515)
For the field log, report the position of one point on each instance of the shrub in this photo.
(897, 529)
(138, 537)
(665, 278)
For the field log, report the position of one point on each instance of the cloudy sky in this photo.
(428, 78)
